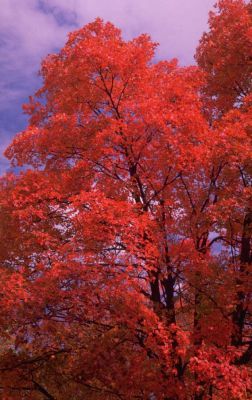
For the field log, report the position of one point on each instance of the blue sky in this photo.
(30, 29)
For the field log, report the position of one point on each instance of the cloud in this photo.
(30, 29)
(27, 34)
(176, 24)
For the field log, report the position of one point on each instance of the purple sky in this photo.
(30, 29)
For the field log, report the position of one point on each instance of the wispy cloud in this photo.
(30, 29)
(175, 24)
(27, 35)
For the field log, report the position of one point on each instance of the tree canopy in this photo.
(126, 240)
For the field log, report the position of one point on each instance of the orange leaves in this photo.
(215, 368)
(224, 53)
(123, 241)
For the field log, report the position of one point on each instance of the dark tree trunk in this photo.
(239, 314)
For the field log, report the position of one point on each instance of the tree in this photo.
(224, 53)
(112, 284)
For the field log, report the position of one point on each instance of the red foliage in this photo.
(125, 251)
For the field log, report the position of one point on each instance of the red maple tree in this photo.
(125, 251)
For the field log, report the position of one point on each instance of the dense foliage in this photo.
(126, 240)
